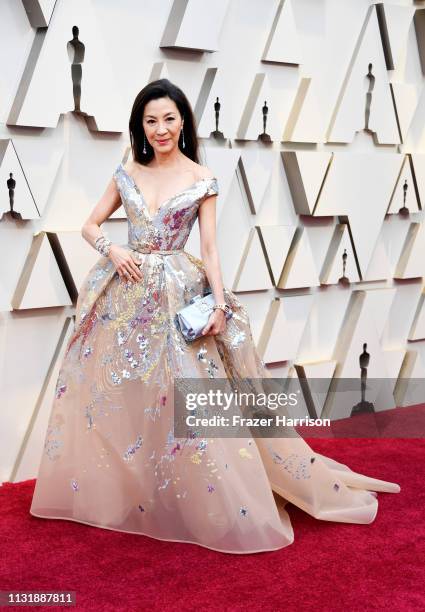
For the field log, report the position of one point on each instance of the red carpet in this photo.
(330, 566)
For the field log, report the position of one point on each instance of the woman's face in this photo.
(162, 123)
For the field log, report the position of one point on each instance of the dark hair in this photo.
(159, 89)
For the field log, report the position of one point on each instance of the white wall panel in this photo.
(286, 210)
(37, 103)
(349, 116)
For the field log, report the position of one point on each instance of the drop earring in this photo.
(144, 144)
(183, 143)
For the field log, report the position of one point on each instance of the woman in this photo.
(110, 457)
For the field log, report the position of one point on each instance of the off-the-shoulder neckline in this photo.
(194, 184)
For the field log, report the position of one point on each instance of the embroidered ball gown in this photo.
(110, 458)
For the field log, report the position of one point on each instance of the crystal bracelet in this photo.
(224, 307)
(102, 236)
(103, 245)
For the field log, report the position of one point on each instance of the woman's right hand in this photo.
(125, 263)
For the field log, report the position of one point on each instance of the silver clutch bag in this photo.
(191, 319)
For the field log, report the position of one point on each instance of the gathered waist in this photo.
(148, 250)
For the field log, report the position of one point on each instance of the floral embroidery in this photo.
(128, 455)
(294, 464)
(115, 392)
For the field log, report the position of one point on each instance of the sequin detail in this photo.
(60, 388)
(128, 455)
(294, 464)
(112, 425)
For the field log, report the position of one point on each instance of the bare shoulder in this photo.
(200, 172)
(129, 166)
(204, 172)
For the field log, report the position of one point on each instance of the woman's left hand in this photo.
(216, 323)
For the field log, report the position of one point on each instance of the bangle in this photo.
(224, 307)
(103, 245)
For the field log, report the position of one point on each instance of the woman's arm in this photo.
(108, 204)
(125, 263)
(209, 253)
